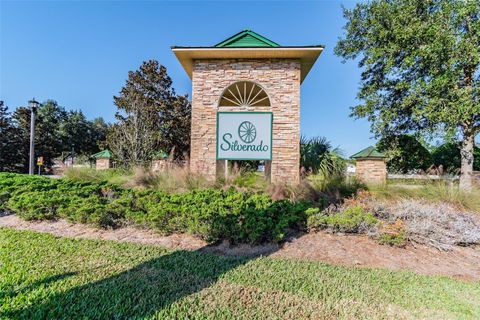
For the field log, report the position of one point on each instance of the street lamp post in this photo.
(33, 109)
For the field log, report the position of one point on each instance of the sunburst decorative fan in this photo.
(244, 94)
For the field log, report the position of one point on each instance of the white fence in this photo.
(422, 177)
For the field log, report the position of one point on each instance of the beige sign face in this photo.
(244, 135)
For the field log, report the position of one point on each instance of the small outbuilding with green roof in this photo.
(370, 166)
(369, 153)
(102, 159)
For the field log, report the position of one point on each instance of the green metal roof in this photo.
(246, 38)
(248, 45)
(369, 153)
(102, 154)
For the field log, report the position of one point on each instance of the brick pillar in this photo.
(280, 78)
(371, 170)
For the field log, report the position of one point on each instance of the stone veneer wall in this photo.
(102, 163)
(280, 78)
(371, 170)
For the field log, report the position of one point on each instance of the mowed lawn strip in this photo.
(42, 276)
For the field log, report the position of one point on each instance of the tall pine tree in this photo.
(10, 142)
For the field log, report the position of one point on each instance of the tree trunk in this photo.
(466, 153)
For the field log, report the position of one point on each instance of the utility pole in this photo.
(33, 109)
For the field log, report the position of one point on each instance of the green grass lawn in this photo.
(42, 276)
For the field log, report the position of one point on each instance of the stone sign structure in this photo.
(370, 166)
(247, 73)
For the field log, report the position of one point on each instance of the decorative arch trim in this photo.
(244, 94)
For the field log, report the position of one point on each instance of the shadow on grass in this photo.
(35, 285)
(136, 293)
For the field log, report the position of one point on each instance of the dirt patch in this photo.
(349, 250)
(357, 250)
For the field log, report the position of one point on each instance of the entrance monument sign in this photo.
(246, 104)
(244, 135)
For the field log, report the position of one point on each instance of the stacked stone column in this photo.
(280, 78)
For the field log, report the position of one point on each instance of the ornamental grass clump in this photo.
(421, 220)
(116, 176)
(172, 180)
(440, 225)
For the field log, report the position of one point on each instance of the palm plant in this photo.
(318, 157)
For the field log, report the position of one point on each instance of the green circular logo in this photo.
(247, 132)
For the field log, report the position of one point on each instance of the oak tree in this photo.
(420, 68)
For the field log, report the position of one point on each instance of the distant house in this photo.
(350, 168)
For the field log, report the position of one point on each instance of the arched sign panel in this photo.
(244, 135)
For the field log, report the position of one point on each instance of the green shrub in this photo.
(395, 240)
(92, 210)
(36, 205)
(212, 214)
(352, 220)
(4, 196)
(216, 214)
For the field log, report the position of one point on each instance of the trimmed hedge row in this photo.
(211, 214)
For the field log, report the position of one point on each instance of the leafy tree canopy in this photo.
(420, 61)
(151, 117)
(57, 132)
(9, 143)
(448, 156)
(405, 154)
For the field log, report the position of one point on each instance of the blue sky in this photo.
(79, 53)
